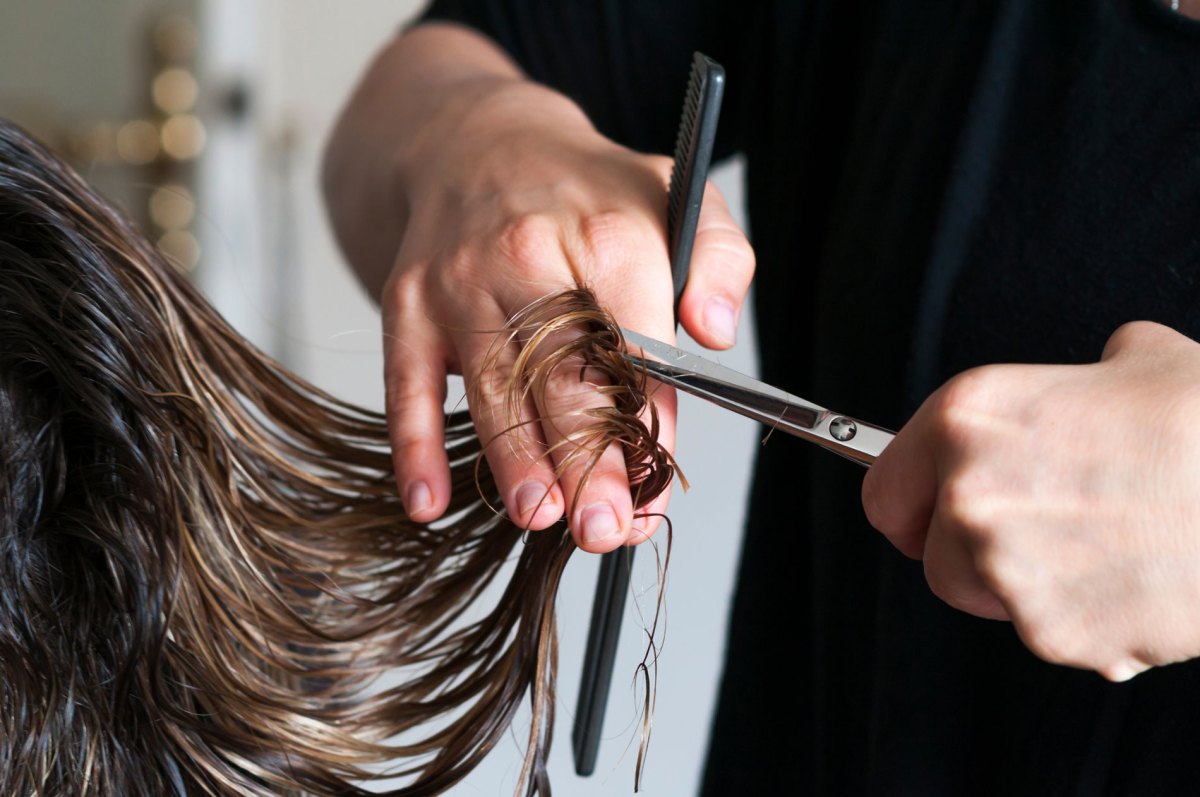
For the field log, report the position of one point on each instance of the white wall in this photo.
(67, 67)
(64, 63)
(307, 55)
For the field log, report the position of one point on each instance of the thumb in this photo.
(721, 270)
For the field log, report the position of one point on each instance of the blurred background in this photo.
(204, 121)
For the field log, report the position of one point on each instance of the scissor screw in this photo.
(842, 429)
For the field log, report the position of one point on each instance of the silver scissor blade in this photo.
(725, 386)
(696, 364)
(768, 410)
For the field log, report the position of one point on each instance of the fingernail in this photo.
(720, 319)
(417, 498)
(598, 522)
(532, 496)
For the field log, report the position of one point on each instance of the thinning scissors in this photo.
(850, 437)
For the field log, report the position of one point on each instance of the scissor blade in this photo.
(854, 439)
(725, 386)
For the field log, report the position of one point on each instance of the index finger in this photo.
(900, 490)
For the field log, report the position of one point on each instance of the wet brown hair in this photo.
(204, 562)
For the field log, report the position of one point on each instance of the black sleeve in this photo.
(625, 62)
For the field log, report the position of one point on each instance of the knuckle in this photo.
(528, 238)
(402, 293)
(962, 508)
(403, 396)
(491, 386)
(1003, 575)
(959, 404)
(967, 391)
(407, 435)
(724, 250)
(1049, 642)
(608, 236)
(569, 382)
(731, 257)
(407, 443)
(1133, 331)
(993, 571)
(459, 277)
(1134, 334)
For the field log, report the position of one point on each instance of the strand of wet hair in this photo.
(205, 564)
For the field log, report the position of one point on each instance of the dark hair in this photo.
(204, 564)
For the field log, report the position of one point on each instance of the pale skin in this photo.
(1065, 499)
(461, 192)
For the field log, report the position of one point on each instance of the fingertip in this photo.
(602, 525)
(422, 475)
(606, 546)
(723, 265)
(415, 391)
(538, 505)
(424, 488)
(711, 320)
(644, 527)
(418, 500)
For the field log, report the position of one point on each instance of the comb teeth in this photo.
(683, 142)
(693, 151)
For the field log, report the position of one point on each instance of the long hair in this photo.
(204, 562)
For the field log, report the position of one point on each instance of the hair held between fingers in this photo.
(205, 564)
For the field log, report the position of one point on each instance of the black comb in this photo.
(693, 153)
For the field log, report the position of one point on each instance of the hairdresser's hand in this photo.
(1064, 498)
(509, 194)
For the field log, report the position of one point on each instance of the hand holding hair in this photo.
(1063, 498)
(480, 193)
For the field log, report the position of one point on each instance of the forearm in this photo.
(395, 130)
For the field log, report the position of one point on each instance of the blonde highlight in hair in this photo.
(204, 563)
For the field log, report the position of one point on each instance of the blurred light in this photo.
(172, 207)
(183, 136)
(175, 38)
(181, 249)
(174, 90)
(137, 142)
